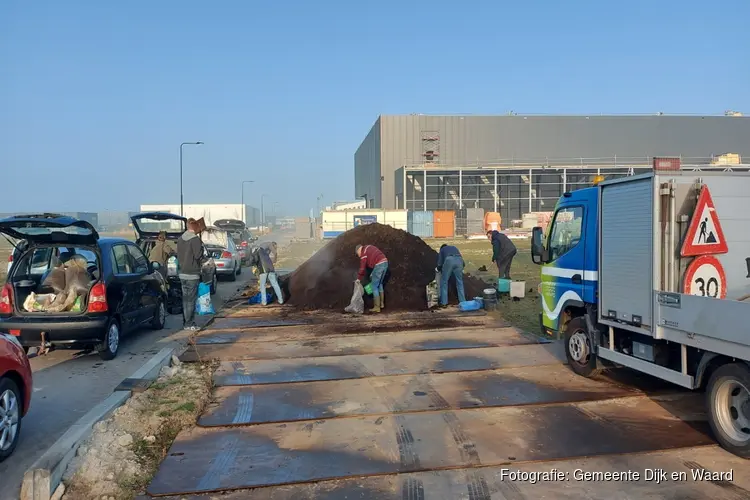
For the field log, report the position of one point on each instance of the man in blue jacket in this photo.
(450, 263)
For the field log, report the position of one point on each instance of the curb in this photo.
(44, 476)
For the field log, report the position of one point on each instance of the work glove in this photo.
(438, 270)
(357, 281)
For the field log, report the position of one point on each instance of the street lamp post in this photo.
(243, 198)
(182, 200)
(262, 212)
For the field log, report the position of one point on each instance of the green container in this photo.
(368, 289)
(503, 285)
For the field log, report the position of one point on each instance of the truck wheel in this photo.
(578, 348)
(728, 399)
(109, 347)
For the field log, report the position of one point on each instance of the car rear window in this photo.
(41, 259)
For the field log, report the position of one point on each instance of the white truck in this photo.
(652, 272)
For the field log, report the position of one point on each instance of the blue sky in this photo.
(95, 97)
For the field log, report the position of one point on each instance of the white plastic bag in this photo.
(357, 304)
(433, 291)
(203, 304)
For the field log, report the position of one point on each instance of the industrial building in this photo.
(521, 164)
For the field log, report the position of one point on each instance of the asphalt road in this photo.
(68, 383)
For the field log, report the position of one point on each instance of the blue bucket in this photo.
(503, 285)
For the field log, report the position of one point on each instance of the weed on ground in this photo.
(122, 455)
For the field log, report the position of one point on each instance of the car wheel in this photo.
(160, 316)
(108, 348)
(233, 276)
(10, 417)
(214, 284)
(239, 269)
(728, 400)
(578, 348)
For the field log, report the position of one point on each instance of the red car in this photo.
(15, 392)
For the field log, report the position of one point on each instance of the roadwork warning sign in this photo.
(704, 236)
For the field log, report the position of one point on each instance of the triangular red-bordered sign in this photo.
(704, 236)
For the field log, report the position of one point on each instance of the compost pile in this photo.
(326, 280)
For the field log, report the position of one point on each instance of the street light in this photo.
(262, 213)
(181, 193)
(243, 199)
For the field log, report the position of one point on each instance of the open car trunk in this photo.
(54, 280)
(55, 272)
(215, 237)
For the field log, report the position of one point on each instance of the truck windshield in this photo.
(566, 231)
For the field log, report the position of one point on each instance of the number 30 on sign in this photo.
(705, 277)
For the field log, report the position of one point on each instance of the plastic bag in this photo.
(469, 305)
(357, 304)
(203, 303)
(433, 292)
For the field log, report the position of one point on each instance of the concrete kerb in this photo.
(44, 476)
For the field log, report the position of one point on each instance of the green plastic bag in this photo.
(368, 289)
(77, 305)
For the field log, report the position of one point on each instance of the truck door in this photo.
(563, 275)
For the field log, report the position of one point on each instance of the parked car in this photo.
(147, 226)
(241, 236)
(124, 290)
(15, 392)
(221, 248)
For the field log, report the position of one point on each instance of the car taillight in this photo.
(98, 299)
(226, 255)
(244, 244)
(6, 299)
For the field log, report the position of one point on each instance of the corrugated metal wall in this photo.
(367, 169)
(395, 141)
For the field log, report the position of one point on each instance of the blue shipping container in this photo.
(420, 224)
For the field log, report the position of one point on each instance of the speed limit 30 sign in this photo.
(705, 277)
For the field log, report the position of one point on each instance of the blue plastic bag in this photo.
(203, 305)
(258, 299)
(469, 305)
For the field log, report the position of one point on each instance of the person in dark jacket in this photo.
(190, 258)
(450, 263)
(260, 259)
(503, 251)
(370, 257)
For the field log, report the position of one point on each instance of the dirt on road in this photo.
(476, 411)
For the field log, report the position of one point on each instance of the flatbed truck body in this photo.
(621, 282)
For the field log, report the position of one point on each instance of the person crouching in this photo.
(370, 257)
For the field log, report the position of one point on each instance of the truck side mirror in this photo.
(538, 252)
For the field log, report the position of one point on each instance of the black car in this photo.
(125, 291)
(147, 227)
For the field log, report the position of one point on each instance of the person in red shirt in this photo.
(371, 257)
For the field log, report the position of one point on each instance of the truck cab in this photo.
(567, 253)
(652, 273)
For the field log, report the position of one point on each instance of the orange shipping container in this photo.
(492, 221)
(444, 223)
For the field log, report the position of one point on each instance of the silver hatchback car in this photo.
(222, 249)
